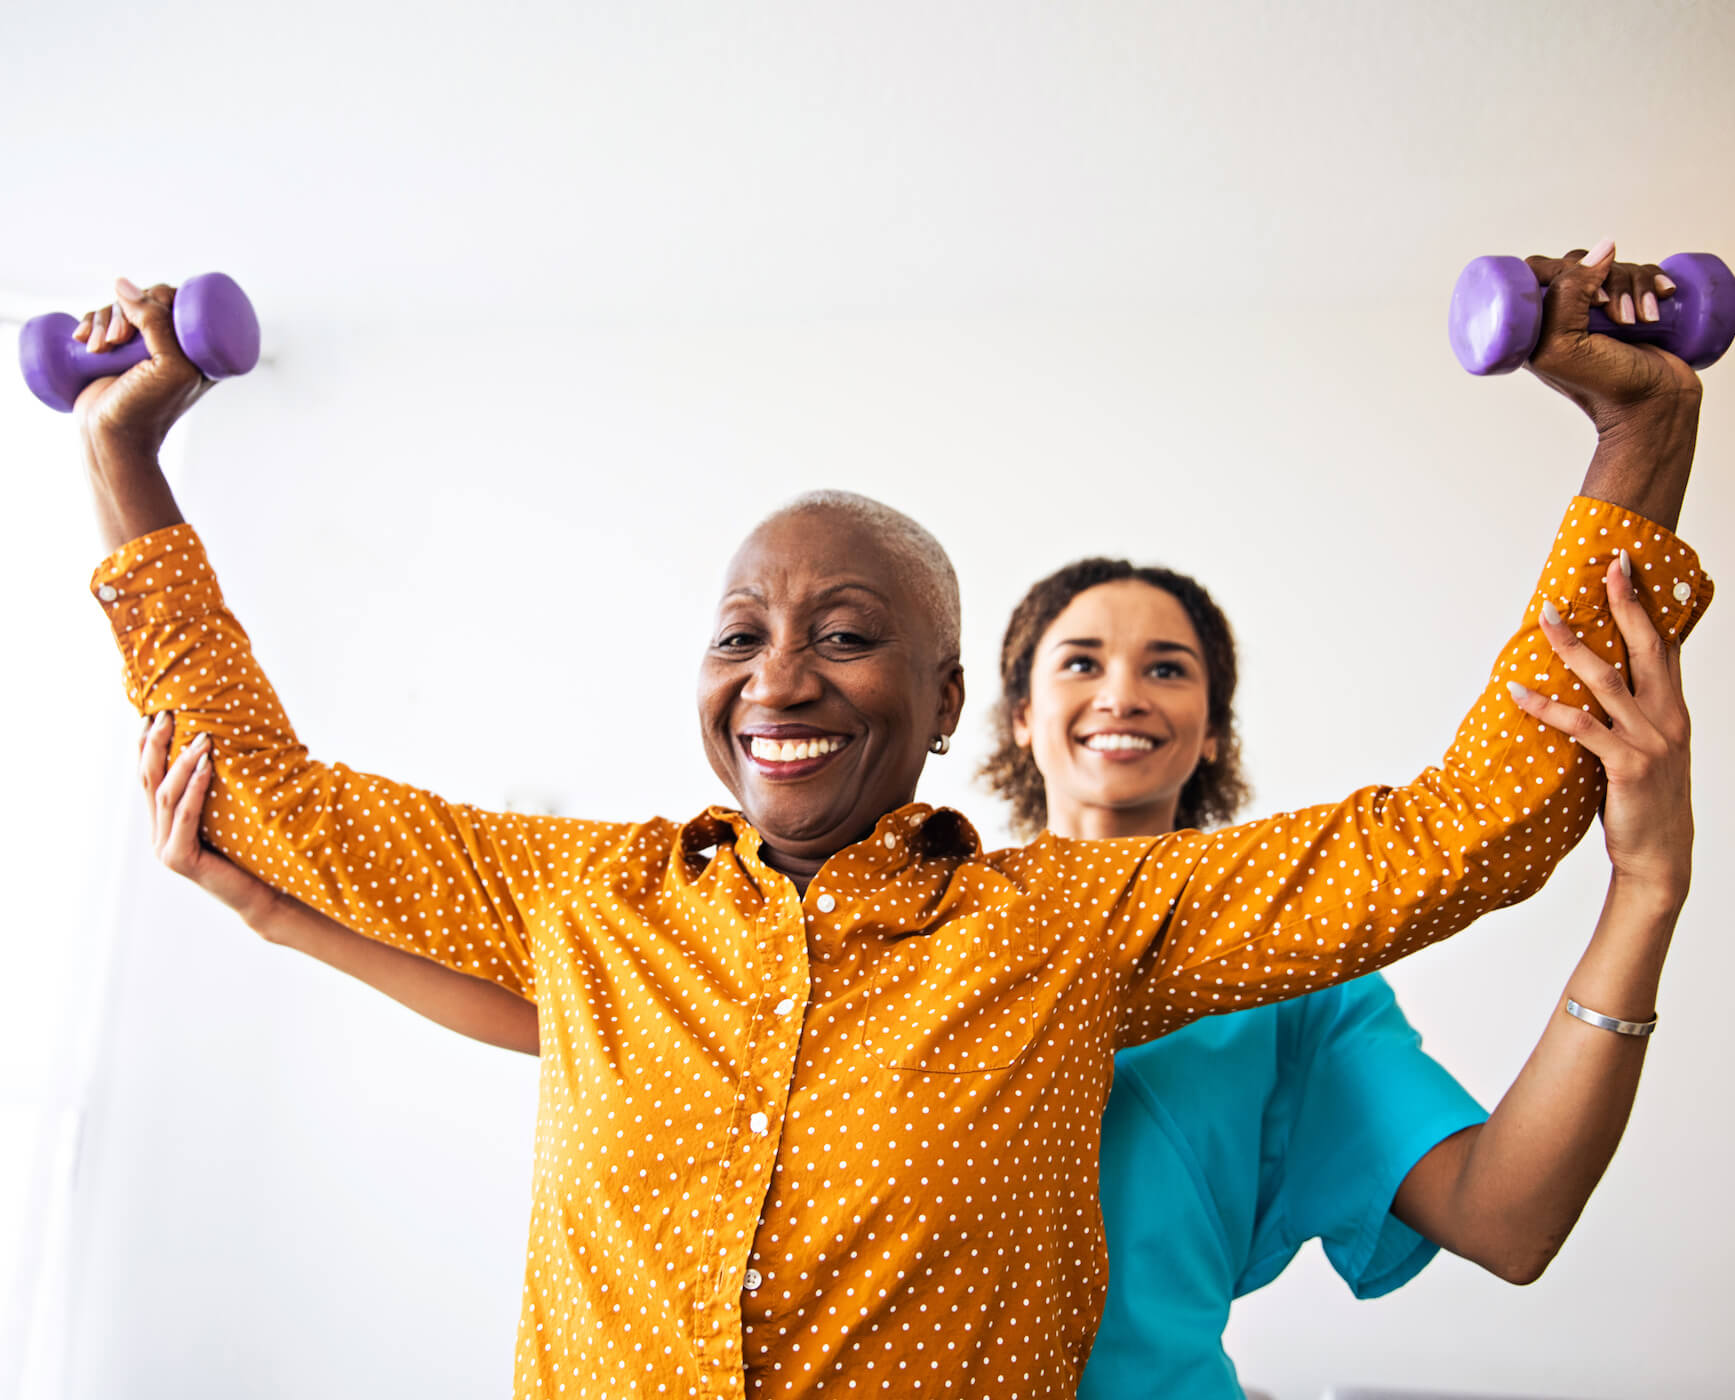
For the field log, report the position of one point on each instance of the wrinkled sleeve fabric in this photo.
(1370, 1103)
(1204, 923)
(444, 880)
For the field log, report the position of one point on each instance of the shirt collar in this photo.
(932, 832)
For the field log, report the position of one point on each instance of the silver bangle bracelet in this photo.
(1609, 1023)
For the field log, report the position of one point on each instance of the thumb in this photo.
(152, 313)
(1573, 289)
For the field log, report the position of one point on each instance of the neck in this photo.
(1080, 822)
(798, 870)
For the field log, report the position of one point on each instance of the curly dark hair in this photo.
(1215, 791)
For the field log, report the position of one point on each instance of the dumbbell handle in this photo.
(214, 323)
(1496, 315)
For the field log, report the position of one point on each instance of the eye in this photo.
(841, 639)
(1168, 671)
(1079, 664)
(736, 641)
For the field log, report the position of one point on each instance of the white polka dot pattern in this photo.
(847, 1144)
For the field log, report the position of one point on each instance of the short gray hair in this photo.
(936, 582)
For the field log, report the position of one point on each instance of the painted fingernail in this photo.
(1664, 282)
(1518, 691)
(1628, 315)
(116, 324)
(1626, 564)
(203, 763)
(127, 290)
(1601, 297)
(1648, 307)
(1599, 253)
(1550, 613)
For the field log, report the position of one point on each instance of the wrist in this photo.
(263, 914)
(1657, 420)
(1655, 895)
(115, 458)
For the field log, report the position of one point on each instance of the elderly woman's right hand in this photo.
(175, 794)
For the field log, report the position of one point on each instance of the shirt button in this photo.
(759, 1123)
(1683, 591)
(784, 1007)
(108, 593)
(891, 841)
(753, 1279)
(826, 903)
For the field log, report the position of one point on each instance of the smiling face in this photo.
(1118, 715)
(825, 681)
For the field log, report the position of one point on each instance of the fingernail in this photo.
(1664, 282)
(1649, 305)
(115, 321)
(203, 741)
(127, 290)
(1599, 253)
(1550, 613)
(1601, 297)
(161, 719)
(1626, 564)
(1628, 315)
(203, 763)
(1518, 691)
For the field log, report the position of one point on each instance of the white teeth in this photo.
(792, 750)
(1109, 743)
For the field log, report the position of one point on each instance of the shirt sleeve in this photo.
(1366, 1104)
(1203, 923)
(443, 880)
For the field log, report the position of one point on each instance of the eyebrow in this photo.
(1158, 646)
(825, 595)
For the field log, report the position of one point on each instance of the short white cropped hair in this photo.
(936, 582)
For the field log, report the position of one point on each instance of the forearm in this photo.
(1507, 1194)
(468, 1005)
(129, 492)
(1644, 455)
(1277, 908)
(382, 857)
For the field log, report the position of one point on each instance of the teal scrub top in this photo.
(1228, 1145)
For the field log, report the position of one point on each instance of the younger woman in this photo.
(1231, 1142)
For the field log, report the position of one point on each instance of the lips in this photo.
(1120, 743)
(790, 750)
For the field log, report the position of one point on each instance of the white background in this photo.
(559, 300)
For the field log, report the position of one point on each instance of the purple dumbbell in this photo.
(1496, 314)
(214, 323)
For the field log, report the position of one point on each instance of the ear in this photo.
(951, 699)
(1208, 751)
(1021, 724)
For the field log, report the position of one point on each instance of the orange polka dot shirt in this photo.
(846, 1143)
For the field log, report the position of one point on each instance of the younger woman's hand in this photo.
(1644, 747)
(175, 795)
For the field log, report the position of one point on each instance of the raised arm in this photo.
(1507, 1192)
(175, 795)
(1267, 910)
(449, 882)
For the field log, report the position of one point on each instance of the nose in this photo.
(1119, 693)
(782, 678)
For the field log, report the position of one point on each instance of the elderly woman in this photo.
(821, 1081)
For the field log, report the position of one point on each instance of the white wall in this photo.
(475, 540)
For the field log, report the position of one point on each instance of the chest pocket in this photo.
(956, 1001)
